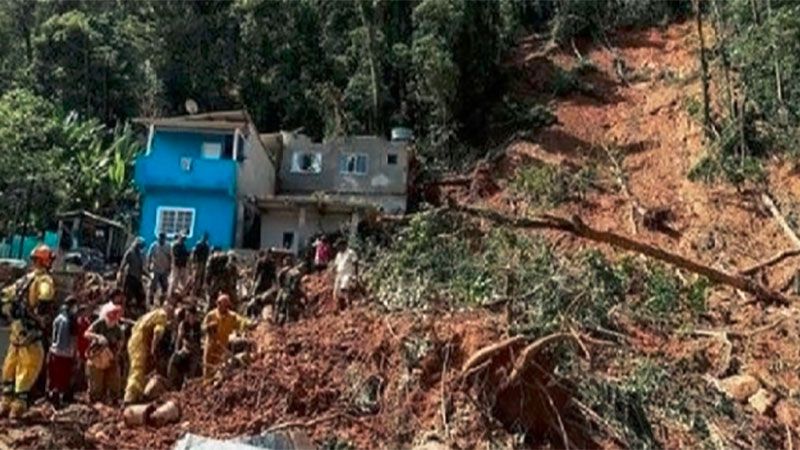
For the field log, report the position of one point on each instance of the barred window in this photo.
(172, 220)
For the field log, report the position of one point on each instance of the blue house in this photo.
(202, 173)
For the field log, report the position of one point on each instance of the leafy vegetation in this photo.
(547, 185)
(758, 109)
(442, 260)
(51, 161)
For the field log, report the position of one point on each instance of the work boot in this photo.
(5, 406)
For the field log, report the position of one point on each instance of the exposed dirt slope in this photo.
(322, 368)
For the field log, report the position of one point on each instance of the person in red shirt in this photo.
(322, 252)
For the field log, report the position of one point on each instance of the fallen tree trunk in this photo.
(577, 227)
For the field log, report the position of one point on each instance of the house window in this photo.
(391, 159)
(288, 240)
(306, 162)
(351, 163)
(212, 150)
(171, 220)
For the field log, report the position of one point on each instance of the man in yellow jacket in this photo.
(218, 326)
(142, 348)
(29, 304)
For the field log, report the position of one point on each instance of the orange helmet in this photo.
(42, 255)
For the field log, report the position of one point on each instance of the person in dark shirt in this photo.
(185, 360)
(180, 261)
(264, 273)
(130, 274)
(200, 254)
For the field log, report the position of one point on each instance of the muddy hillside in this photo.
(677, 361)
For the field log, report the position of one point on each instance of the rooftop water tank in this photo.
(402, 134)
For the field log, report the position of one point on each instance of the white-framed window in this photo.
(172, 220)
(353, 163)
(212, 150)
(307, 162)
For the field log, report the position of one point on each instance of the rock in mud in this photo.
(167, 413)
(137, 415)
(740, 387)
(762, 400)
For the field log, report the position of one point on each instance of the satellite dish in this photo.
(191, 106)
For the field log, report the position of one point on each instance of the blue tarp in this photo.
(12, 250)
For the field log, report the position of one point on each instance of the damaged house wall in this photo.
(326, 187)
(369, 168)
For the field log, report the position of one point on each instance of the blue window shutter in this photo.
(342, 163)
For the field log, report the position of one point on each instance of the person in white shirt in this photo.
(346, 265)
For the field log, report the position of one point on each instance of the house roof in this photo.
(88, 215)
(215, 120)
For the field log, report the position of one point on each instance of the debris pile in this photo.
(365, 378)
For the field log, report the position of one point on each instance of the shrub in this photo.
(549, 186)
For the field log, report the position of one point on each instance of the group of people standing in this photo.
(167, 265)
(187, 315)
(68, 347)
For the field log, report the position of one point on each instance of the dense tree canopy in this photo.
(328, 66)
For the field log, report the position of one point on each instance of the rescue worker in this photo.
(131, 272)
(63, 353)
(159, 262)
(180, 262)
(142, 348)
(29, 303)
(185, 361)
(200, 254)
(215, 273)
(218, 326)
(264, 273)
(230, 282)
(290, 294)
(103, 365)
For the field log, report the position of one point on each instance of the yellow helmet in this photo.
(42, 256)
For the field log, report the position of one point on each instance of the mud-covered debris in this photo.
(762, 400)
(788, 414)
(740, 387)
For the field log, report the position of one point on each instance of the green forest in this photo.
(74, 73)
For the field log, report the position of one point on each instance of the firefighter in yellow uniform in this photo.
(142, 348)
(218, 326)
(28, 303)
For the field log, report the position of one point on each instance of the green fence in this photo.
(11, 248)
